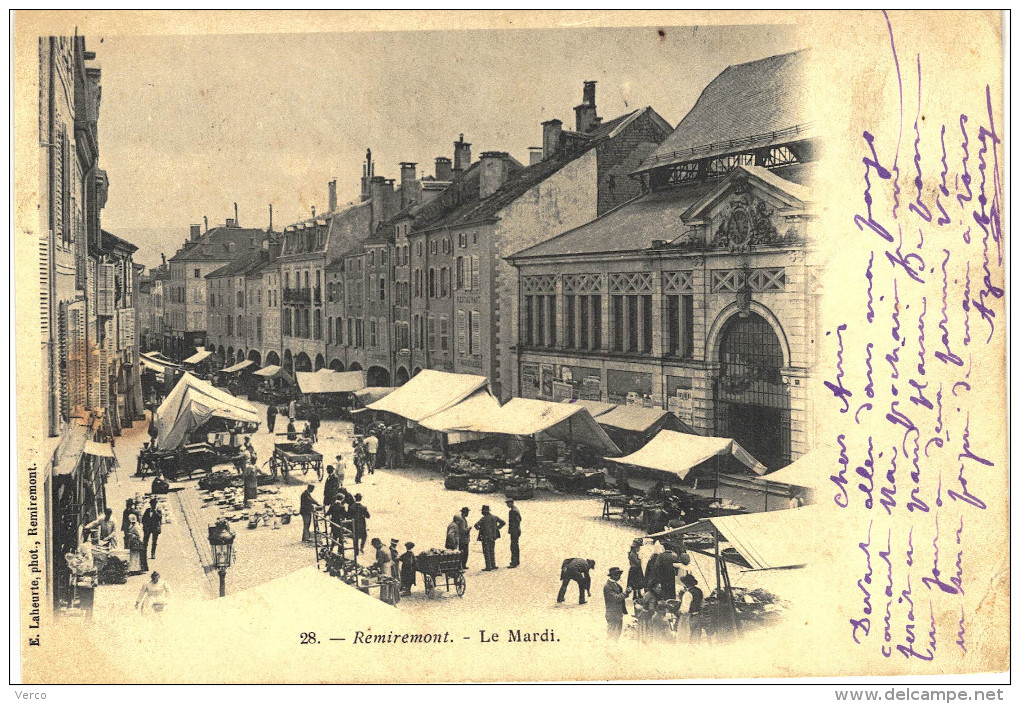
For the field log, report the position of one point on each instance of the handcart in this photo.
(448, 565)
(295, 455)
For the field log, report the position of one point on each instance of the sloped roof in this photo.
(214, 245)
(111, 240)
(246, 263)
(635, 224)
(741, 108)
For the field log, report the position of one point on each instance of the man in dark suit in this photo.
(152, 525)
(331, 487)
(616, 603)
(514, 530)
(488, 527)
(359, 514)
(308, 504)
(578, 570)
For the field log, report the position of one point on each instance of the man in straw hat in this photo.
(616, 603)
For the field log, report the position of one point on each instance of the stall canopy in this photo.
(466, 414)
(98, 449)
(156, 362)
(596, 408)
(769, 540)
(643, 420)
(272, 371)
(192, 403)
(809, 471)
(238, 367)
(371, 394)
(428, 393)
(331, 383)
(679, 453)
(198, 357)
(560, 421)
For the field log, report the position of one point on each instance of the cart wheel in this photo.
(460, 583)
(430, 586)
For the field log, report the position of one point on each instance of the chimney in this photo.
(270, 218)
(551, 130)
(408, 174)
(313, 212)
(367, 172)
(163, 257)
(461, 155)
(231, 222)
(534, 155)
(381, 193)
(196, 232)
(443, 172)
(237, 222)
(332, 195)
(586, 114)
(494, 172)
(205, 218)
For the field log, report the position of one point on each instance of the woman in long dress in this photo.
(155, 594)
(137, 561)
(395, 571)
(635, 576)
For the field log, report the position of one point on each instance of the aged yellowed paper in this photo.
(345, 353)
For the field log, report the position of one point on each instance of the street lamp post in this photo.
(221, 540)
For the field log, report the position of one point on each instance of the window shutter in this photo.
(105, 303)
(476, 325)
(76, 358)
(461, 332)
(474, 271)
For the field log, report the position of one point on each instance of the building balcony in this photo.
(297, 295)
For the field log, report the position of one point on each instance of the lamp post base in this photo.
(223, 582)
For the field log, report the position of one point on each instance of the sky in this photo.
(190, 125)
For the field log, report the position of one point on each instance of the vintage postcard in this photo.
(375, 347)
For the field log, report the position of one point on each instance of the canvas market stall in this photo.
(275, 385)
(237, 378)
(328, 393)
(803, 478)
(754, 542)
(671, 457)
(632, 427)
(199, 363)
(195, 407)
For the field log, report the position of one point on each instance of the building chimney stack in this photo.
(586, 114)
(196, 232)
(443, 172)
(270, 217)
(494, 172)
(408, 183)
(381, 193)
(205, 218)
(332, 196)
(461, 155)
(551, 131)
(237, 222)
(367, 172)
(534, 155)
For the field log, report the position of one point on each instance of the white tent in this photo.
(428, 393)
(639, 419)
(272, 370)
(596, 408)
(238, 367)
(192, 403)
(561, 421)
(198, 357)
(769, 540)
(809, 471)
(330, 382)
(371, 394)
(479, 405)
(156, 362)
(679, 453)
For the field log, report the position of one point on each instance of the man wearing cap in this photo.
(616, 603)
(464, 537)
(331, 487)
(358, 513)
(576, 569)
(488, 533)
(514, 529)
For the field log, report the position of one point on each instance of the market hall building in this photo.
(698, 295)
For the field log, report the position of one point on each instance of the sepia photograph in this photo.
(434, 347)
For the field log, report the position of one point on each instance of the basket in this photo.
(457, 482)
(285, 519)
(520, 492)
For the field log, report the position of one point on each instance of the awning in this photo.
(428, 393)
(809, 471)
(157, 363)
(192, 403)
(199, 356)
(459, 418)
(99, 449)
(238, 367)
(679, 453)
(371, 394)
(642, 420)
(769, 540)
(596, 408)
(560, 421)
(272, 371)
(331, 383)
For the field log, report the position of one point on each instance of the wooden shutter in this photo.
(474, 271)
(77, 354)
(461, 333)
(476, 339)
(105, 304)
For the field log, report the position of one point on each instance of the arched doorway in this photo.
(336, 365)
(302, 363)
(254, 356)
(402, 376)
(355, 367)
(240, 356)
(417, 370)
(288, 361)
(320, 362)
(272, 358)
(378, 376)
(221, 356)
(230, 357)
(752, 404)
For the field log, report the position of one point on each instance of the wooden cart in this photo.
(449, 566)
(289, 456)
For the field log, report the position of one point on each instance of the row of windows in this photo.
(630, 320)
(469, 340)
(243, 327)
(301, 323)
(436, 282)
(297, 279)
(446, 244)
